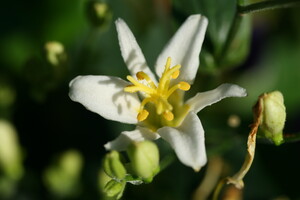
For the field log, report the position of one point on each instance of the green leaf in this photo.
(238, 47)
(220, 14)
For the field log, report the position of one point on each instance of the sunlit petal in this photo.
(184, 48)
(131, 52)
(203, 99)
(188, 141)
(127, 137)
(105, 95)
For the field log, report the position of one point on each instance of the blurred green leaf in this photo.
(220, 14)
(238, 48)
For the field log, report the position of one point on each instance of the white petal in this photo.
(131, 52)
(127, 137)
(184, 48)
(203, 99)
(188, 141)
(104, 95)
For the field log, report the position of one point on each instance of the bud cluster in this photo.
(142, 166)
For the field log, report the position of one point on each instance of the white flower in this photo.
(157, 107)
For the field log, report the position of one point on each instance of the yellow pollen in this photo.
(184, 86)
(141, 75)
(168, 115)
(157, 94)
(175, 74)
(143, 114)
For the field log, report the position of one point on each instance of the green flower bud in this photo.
(10, 152)
(55, 53)
(98, 13)
(113, 166)
(144, 157)
(273, 116)
(7, 94)
(114, 189)
(62, 177)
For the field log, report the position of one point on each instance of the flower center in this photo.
(157, 94)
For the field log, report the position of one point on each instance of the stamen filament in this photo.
(142, 87)
(165, 78)
(144, 102)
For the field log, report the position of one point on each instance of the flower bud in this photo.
(55, 53)
(10, 152)
(273, 116)
(7, 94)
(62, 178)
(113, 166)
(144, 157)
(98, 13)
(114, 189)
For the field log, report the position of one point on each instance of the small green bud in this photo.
(7, 94)
(114, 189)
(11, 166)
(55, 53)
(113, 166)
(98, 13)
(273, 116)
(144, 157)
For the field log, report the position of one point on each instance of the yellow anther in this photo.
(175, 74)
(141, 75)
(143, 114)
(184, 86)
(168, 115)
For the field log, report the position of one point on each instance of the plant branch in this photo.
(266, 5)
(291, 137)
(242, 10)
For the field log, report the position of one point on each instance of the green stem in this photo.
(291, 137)
(166, 161)
(231, 34)
(218, 189)
(252, 8)
(266, 5)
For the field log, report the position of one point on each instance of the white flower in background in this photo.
(157, 107)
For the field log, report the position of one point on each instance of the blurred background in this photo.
(52, 148)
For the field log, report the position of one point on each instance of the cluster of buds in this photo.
(142, 166)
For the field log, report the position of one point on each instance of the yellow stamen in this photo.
(141, 87)
(157, 94)
(168, 115)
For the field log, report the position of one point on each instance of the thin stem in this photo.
(218, 189)
(248, 9)
(231, 34)
(291, 137)
(266, 5)
(166, 161)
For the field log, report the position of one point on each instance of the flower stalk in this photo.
(242, 10)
